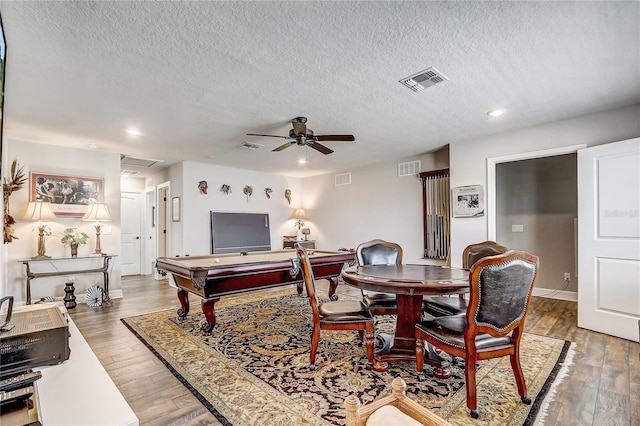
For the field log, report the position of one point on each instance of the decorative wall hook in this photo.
(267, 192)
(203, 186)
(226, 189)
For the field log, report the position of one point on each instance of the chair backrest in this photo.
(379, 252)
(308, 278)
(474, 252)
(500, 292)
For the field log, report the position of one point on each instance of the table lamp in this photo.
(97, 212)
(41, 211)
(300, 217)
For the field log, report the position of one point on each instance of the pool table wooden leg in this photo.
(183, 297)
(209, 313)
(333, 285)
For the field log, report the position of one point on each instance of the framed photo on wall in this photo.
(468, 201)
(68, 195)
(175, 209)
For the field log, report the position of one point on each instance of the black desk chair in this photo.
(338, 315)
(493, 323)
(379, 252)
(447, 305)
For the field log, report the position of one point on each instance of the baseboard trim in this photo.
(571, 296)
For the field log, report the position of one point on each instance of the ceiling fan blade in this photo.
(299, 128)
(269, 136)
(319, 147)
(347, 138)
(283, 146)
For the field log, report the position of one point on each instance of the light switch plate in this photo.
(517, 228)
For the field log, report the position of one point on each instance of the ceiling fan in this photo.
(302, 136)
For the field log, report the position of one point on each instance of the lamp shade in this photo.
(299, 214)
(97, 212)
(39, 210)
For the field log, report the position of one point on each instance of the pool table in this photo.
(216, 275)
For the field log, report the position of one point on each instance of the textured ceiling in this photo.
(195, 77)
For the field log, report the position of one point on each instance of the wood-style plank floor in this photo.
(602, 388)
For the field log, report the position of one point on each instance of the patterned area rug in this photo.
(254, 368)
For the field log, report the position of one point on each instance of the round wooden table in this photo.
(409, 283)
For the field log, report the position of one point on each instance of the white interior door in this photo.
(131, 231)
(149, 246)
(609, 238)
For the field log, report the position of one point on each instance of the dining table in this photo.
(409, 282)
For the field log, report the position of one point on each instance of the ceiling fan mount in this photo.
(300, 135)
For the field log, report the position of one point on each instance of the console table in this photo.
(66, 263)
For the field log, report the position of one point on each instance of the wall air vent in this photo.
(126, 160)
(424, 79)
(251, 146)
(410, 168)
(343, 179)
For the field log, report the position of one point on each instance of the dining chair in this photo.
(334, 315)
(493, 324)
(379, 252)
(396, 409)
(451, 305)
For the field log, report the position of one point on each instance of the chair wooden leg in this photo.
(517, 372)
(361, 335)
(315, 339)
(420, 358)
(470, 383)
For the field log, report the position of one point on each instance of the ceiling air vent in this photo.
(125, 160)
(251, 146)
(410, 168)
(424, 79)
(129, 173)
(343, 179)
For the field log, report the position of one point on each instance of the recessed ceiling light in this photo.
(496, 112)
(303, 161)
(134, 132)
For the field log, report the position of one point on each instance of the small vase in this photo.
(74, 250)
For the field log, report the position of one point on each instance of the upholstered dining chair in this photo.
(336, 315)
(396, 409)
(492, 326)
(379, 252)
(451, 305)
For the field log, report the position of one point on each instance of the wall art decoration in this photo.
(267, 192)
(248, 190)
(202, 185)
(468, 201)
(225, 189)
(68, 195)
(175, 209)
(287, 195)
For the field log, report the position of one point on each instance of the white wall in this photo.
(468, 159)
(42, 158)
(377, 204)
(192, 236)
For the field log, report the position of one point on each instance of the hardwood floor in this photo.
(602, 387)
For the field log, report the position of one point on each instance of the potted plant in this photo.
(74, 238)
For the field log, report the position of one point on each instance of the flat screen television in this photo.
(239, 232)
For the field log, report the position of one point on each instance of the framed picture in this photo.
(68, 195)
(468, 201)
(175, 209)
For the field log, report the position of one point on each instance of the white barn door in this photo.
(609, 238)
